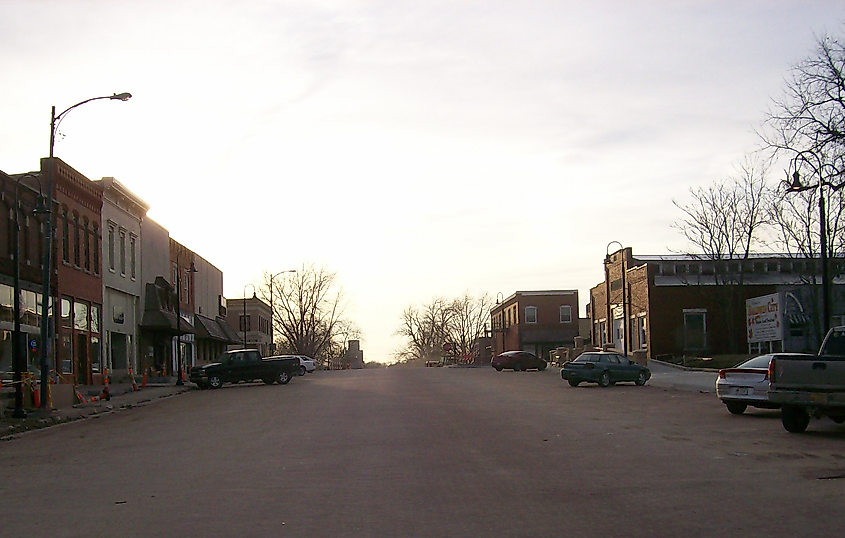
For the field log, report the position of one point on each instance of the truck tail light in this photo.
(722, 374)
(770, 375)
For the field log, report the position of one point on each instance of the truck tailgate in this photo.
(824, 373)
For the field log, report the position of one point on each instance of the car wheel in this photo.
(517, 367)
(604, 380)
(302, 370)
(498, 368)
(641, 379)
(574, 382)
(283, 378)
(215, 381)
(839, 419)
(795, 419)
(736, 408)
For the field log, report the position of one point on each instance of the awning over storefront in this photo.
(215, 329)
(157, 313)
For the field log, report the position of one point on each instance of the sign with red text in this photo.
(764, 318)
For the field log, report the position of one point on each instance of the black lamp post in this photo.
(17, 356)
(191, 269)
(55, 120)
(243, 320)
(796, 186)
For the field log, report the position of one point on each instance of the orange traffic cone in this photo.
(36, 395)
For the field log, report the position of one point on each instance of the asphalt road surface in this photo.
(434, 452)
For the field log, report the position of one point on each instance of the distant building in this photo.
(252, 318)
(354, 356)
(535, 321)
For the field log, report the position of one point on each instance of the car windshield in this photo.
(757, 362)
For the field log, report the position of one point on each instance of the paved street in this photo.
(437, 452)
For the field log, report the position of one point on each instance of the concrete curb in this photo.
(685, 368)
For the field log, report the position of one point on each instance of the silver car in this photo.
(748, 383)
(306, 365)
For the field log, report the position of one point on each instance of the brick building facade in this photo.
(535, 321)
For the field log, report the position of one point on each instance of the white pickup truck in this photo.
(811, 386)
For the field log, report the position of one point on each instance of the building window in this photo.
(530, 314)
(65, 237)
(96, 249)
(132, 261)
(80, 316)
(87, 233)
(565, 313)
(111, 248)
(641, 331)
(122, 246)
(66, 318)
(76, 240)
(245, 323)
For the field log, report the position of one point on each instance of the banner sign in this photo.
(764, 318)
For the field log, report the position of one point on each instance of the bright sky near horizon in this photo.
(418, 149)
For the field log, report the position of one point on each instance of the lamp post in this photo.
(501, 324)
(55, 120)
(272, 309)
(624, 293)
(191, 269)
(243, 320)
(794, 187)
(17, 356)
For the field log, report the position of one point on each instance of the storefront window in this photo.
(95, 318)
(66, 321)
(7, 306)
(80, 316)
(95, 354)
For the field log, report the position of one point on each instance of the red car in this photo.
(517, 361)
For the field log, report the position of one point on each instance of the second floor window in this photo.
(122, 246)
(530, 314)
(245, 323)
(111, 248)
(565, 313)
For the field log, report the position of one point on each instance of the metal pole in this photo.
(179, 381)
(624, 308)
(16, 336)
(825, 286)
(46, 272)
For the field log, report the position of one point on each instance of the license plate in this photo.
(741, 391)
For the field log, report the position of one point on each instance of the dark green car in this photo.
(604, 368)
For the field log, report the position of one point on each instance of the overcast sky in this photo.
(419, 149)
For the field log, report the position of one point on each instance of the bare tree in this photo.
(458, 321)
(470, 316)
(426, 329)
(807, 126)
(308, 313)
(725, 223)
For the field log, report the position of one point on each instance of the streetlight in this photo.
(191, 269)
(55, 120)
(273, 310)
(17, 357)
(796, 187)
(243, 320)
(624, 292)
(501, 323)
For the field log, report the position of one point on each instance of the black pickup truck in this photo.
(244, 365)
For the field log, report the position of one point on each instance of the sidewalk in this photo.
(122, 397)
(664, 374)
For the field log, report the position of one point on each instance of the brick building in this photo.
(673, 306)
(535, 321)
(251, 316)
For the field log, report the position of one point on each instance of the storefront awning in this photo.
(214, 329)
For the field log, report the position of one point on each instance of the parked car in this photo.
(604, 368)
(244, 365)
(748, 383)
(517, 361)
(306, 365)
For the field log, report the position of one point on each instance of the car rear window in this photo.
(757, 362)
(587, 358)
